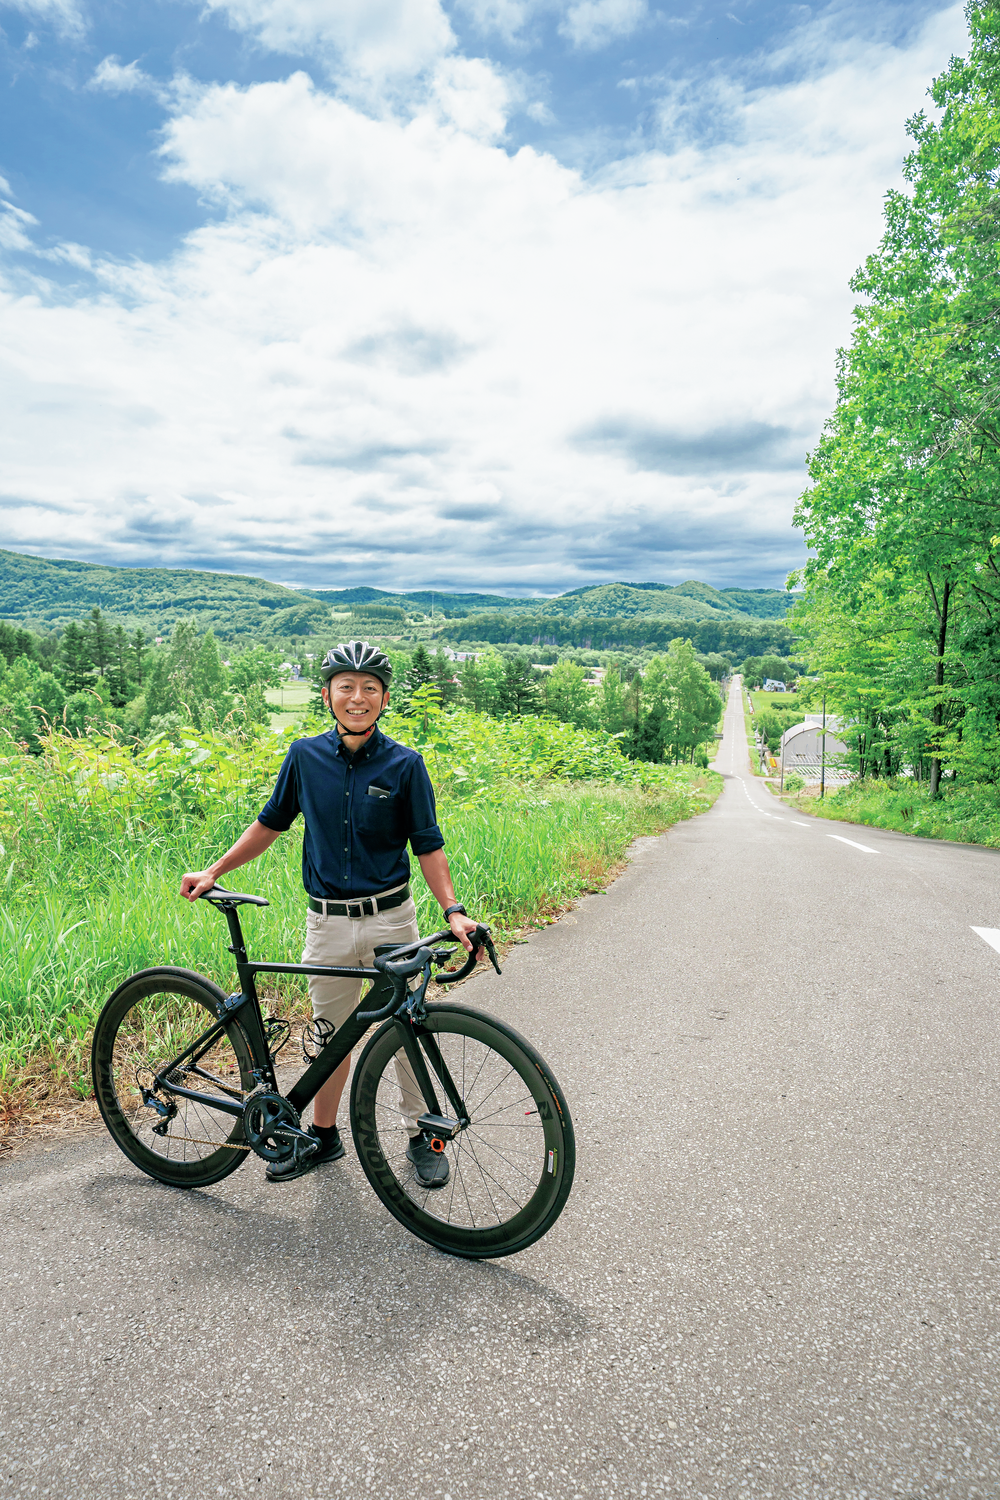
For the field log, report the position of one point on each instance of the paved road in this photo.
(776, 1275)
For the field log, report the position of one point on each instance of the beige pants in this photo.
(352, 941)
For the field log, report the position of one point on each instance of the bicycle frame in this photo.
(246, 1005)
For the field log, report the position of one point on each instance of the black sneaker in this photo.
(431, 1167)
(285, 1171)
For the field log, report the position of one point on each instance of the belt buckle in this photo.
(355, 915)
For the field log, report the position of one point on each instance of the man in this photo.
(363, 798)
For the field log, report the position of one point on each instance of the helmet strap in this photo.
(346, 729)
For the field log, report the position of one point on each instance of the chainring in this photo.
(261, 1113)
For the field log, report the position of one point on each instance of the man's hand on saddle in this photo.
(195, 883)
(461, 926)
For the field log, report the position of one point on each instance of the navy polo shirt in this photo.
(360, 812)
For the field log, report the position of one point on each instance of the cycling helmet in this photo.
(357, 656)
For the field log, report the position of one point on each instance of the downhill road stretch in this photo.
(775, 1275)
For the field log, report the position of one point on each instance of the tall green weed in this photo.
(94, 838)
(969, 814)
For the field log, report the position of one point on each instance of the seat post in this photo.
(238, 948)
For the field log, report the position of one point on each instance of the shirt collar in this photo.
(361, 754)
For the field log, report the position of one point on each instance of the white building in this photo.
(802, 749)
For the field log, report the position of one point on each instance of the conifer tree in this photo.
(76, 658)
(100, 640)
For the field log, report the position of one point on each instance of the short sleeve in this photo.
(422, 829)
(282, 807)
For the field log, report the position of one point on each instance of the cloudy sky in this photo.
(516, 295)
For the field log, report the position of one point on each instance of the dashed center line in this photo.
(863, 847)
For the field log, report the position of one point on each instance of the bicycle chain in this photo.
(194, 1140)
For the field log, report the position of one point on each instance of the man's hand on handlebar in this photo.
(461, 926)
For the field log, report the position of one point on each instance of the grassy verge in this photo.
(967, 814)
(748, 724)
(93, 843)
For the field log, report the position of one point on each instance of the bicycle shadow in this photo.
(333, 1239)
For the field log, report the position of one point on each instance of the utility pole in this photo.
(822, 760)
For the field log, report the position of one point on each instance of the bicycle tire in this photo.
(147, 1021)
(504, 1191)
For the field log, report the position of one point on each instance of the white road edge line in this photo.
(989, 935)
(863, 847)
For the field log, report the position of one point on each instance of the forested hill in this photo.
(53, 592)
(683, 601)
(46, 593)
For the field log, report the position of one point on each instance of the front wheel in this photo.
(510, 1166)
(150, 1020)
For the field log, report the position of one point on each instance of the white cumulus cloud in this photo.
(370, 38)
(403, 354)
(590, 24)
(111, 76)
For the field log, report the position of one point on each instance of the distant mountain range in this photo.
(45, 592)
(682, 601)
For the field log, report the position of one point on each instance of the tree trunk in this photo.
(937, 717)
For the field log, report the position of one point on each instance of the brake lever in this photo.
(480, 938)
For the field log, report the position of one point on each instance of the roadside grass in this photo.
(748, 724)
(968, 814)
(93, 842)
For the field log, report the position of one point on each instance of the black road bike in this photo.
(185, 1079)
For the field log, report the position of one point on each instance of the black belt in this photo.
(366, 907)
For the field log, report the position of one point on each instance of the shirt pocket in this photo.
(377, 818)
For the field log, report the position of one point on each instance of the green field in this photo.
(95, 838)
(763, 701)
(288, 703)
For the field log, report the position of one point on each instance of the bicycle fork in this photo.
(434, 1123)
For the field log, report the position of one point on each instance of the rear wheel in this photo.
(510, 1167)
(150, 1020)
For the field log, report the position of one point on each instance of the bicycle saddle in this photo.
(231, 898)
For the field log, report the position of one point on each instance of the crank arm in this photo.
(293, 1134)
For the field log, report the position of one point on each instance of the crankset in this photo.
(271, 1127)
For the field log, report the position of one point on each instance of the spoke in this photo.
(483, 1191)
(223, 1087)
(506, 1191)
(482, 1174)
(460, 1174)
(511, 1164)
(512, 1105)
(453, 1165)
(467, 1091)
(499, 1084)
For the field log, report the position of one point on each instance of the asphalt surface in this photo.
(776, 1274)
